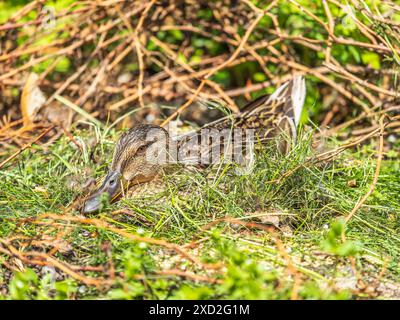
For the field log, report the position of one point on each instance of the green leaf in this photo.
(177, 34)
(63, 65)
(371, 59)
(354, 52)
(259, 77)
(333, 242)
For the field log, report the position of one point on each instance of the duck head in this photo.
(138, 157)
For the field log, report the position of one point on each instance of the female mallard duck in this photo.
(137, 153)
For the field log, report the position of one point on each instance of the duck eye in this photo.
(142, 148)
(112, 181)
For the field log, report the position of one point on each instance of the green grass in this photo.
(309, 204)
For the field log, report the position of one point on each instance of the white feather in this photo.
(298, 97)
(277, 93)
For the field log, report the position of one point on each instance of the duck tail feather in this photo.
(293, 93)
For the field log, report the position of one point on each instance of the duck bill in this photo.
(111, 186)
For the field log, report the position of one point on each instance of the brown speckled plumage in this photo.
(129, 154)
(267, 115)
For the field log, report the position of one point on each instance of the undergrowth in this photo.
(272, 240)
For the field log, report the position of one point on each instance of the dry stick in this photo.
(100, 74)
(392, 125)
(371, 98)
(135, 35)
(357, 119)
(120, 57)
(66, 12)
(198, 31)
(332, 153)
(238, 49)
(140, 53)
(325, 156)
(128, 99)
(361, 26)
(182, 80)
(315, 72)
(71, 138)
(24, 10)
(86, 78)
(16, 134)
(124, 53)
(214, 85)
(331, 25)
(370, 191)
(49, 260)
(379, 18)
(41, 59)
(259, 10)
(312, 15)
(26, 146)
(54, 262)
(105, 226)
(325, 79)
(198, 74)
(379, 47)
(382, 126)
(16, 53)
(32, 50)
(231, 104)
(355, 99)
(250, 50)
(216, 38)
(268, 83)
(341, 41)
(68, 81)
(365, 30)
(172, 80)
(69, 49)
(184, 106)
(291, 267)
(7, 125)
(223, 65)
(341, 71)
(178, 79)
(49, 69)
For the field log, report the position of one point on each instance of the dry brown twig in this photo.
(371, 189)
(26, 146)
(104, 225)
(144, 19)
